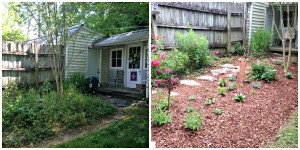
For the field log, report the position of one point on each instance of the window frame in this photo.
(122, 58)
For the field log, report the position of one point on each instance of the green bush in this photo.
(189, 109)
(196, 47)
(260, 43)
(191, 98)
(289, 75)
(222, 91)
(262, 71)
(239, 49)
(232, 78)
(278, 62)
(218, 111)
(31, 117)
(160, 117)
(77, 79)
(176, 61)
(222, 82)
(194, 120)
(239, 97)
(256, 85)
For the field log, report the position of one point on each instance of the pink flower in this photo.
(174, 82)
(158, 82)
(167, 71)
(163, 55)
(216, 52)
(155, 63)
(164, 36)
(158, 70)
(155, 38)
(153, 46)
(165, 81)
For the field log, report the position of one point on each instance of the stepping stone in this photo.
(121, 104)
(234, 70)
(174, 94)
(208, 78)
(240, 59)
(155, 90)
(230, 66)
(229, 75)
(218, 71)
(189, 82)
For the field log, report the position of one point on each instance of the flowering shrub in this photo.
(161, 72)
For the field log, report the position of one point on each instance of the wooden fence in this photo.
(209, 19)
(25, 63)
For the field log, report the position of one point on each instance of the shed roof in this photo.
(71, 30)
(127, 37)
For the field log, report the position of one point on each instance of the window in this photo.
(285, 18)
(116, 58)
(146, 57)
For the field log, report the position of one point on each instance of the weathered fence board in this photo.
(19, 63)
(209, 19)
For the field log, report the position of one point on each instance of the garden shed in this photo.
(80, 37)
(122, 59)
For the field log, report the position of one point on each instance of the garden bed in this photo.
(248, 124)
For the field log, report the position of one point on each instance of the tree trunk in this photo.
(283, 54)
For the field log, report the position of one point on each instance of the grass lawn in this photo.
(129, 133)
(288, 137)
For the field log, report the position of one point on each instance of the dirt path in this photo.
(79, 132)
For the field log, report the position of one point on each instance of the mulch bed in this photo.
(249, 124)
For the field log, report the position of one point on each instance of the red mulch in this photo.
(248, 124)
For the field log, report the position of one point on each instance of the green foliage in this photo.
(127, 133)
(232, 78)
(278, 62)
(261, 42)
(289, 75)
(239, 49)
(30, 117)
(209, 101)
(239, 97)
(262, 71)
(77, 79)
(196, 47)
(231, 86)
(189, 109)
(194, 120)
(225, 60)
(191, 98)
(256, 85)
(294, 60)
(218, 111)
(160, 117)
(222, 91)
(176, 61)
(252, 92)
(222, 82)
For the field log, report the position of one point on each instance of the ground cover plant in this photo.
(218, 111)
(30, 116)
(239, 97)
(289, 75)
(209, 101)
(193, 120)
(263, 71)
(222, 91)
(231, 86)
(129, 133)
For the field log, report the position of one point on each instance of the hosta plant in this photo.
(239, 97)
(289, 75)
(232, 78)
(231, 86)
(191, 98)
(256, 85)
(218, 111)
(189, 109)
(209, 101)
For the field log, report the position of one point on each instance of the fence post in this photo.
(36, 64)
(228, 27)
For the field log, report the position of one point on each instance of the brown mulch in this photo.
(249, 124)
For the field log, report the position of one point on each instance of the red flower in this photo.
(163, 55)
(158, 82)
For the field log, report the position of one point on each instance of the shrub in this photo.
(294, 60)
(289, 75)
(191, 98)
(218, 111)
(239, 97)
(222, 82)
(256, 85)
(163, 104)
(176, 61)
(231, 86)
(261, 42)
(189, 109)
(77, 79)
(232, 78)
(239, 49)
(194, 120)
(160, 117)
(222, 91)
(196, 47)
(209, 101)
(263, 71)
(278, 62)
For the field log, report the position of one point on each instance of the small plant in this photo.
(231, 86)
(209, 101)
(278, 62)
(262, 71)
(241, 85)
(207, 89)
(294, 60)
(232, 78)
(194, 120)
(222, 91)
(289, 75)
(189, 109)
(252, 92)
(191, 98)
(239, 49)
(160, 117)
(239, 97)
(222, 82)
(256, 85)
(218, 111)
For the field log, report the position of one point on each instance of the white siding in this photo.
(78, 45)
